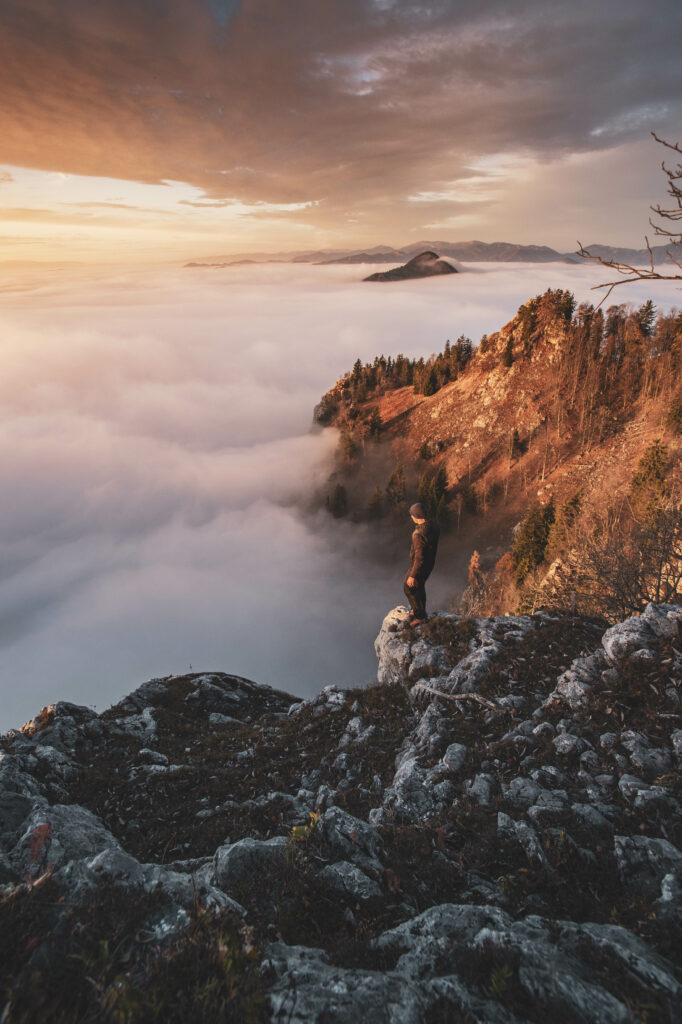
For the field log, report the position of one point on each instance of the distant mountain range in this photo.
(467, 252)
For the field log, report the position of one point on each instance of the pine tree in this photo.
(646, 317)
(375, 509)
(442, 516)
(674, 417)
(349, 448)
(516, 446)
(395, 488)
(566, 517)
(649, 484)
(531, 541)
(418, 375)
(508, 355)
(431, 384)
(375, 424)
(440, 482)
(424, 489)
(337, 502)
(596, 334)
(462, 351)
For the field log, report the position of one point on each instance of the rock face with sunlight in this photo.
(490, 833)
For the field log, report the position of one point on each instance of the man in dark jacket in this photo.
(422, 557)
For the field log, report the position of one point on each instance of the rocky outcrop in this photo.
(490, 833)
(426, 264)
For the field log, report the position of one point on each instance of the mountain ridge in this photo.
(472, 251)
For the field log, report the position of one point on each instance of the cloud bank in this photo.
(156, 449)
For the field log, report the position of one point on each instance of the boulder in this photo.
(664, 619)
(455, 757)
(409, 797)
(52, 836)
(350, 881)
(347, 838)
(621, 641)
(235, 861)
(643, 861)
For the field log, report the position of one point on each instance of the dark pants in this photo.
(417, 597)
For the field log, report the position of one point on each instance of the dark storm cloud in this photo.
(345, 102)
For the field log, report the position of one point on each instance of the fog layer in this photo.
(156, 449)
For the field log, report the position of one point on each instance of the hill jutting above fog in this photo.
(424, 264)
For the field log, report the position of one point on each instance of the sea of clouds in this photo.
(157, 456)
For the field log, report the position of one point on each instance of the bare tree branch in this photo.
(629, 273)
(460, 696)
(670, 145)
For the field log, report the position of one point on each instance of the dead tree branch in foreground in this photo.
(674, 213)
(459, 696)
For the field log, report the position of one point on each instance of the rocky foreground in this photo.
(491, 833)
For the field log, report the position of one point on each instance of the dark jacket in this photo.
(423, 550)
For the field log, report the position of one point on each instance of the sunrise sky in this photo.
(172, 129)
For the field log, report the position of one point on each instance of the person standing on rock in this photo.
(422, 558)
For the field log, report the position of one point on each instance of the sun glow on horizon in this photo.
(50, 216)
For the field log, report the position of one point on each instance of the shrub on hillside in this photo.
(674, 417)
(337, 502)
(620, 562)
(649, 484)
(375, 509)
(562, 529)
(395, 489)
(431, 492)
(531, 540)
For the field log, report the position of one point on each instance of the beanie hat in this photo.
(417, 511)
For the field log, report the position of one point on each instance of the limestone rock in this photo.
(621, 641)
(348, 838)
(350, 881)
(235, 861)
(664, 619)
(455, 757)
(643, 861)
(63, 833)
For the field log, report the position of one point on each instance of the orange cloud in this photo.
(354, 103)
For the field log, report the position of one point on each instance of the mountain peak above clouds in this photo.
(425, 264)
